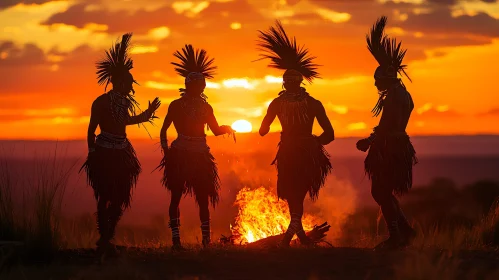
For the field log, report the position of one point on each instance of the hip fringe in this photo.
(302, 166)
(390, 161)
(193, 173)
(113, 173)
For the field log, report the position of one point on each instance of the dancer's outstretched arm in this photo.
(213, 124)
(146, 115)
(268, 119)
(92, 126)
(328, 135)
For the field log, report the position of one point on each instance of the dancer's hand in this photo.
(228, 130)
(363, 145)
(153, 107)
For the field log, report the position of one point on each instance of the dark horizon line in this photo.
(249, 133)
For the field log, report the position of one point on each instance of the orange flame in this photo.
(261, 215)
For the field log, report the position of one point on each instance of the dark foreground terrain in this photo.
(242, 263)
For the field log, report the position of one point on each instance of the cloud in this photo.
(494, 112)
(9, 3)
(12, 55)
(334, 16)
(240, 19)
(162, 86)
(357, 126)
(189, 7)
(454, 2)
(254, 112)
(437, 18)
(240, 83)
(26, 70)
(235, 25)
(222, 15)
(442, 22)
(9, 114)
(140, 21)
(338, 109)
(181, 17)
(430, 112)
(141, 49)
(21, 24)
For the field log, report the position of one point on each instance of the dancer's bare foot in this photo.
(285, 241)
(105, 250)
(408, 236)
(304, 239)
(177, 247)
(206, 242)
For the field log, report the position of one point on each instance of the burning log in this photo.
(317, 235)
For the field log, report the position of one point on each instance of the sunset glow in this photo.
(242, 126)
(53, 46)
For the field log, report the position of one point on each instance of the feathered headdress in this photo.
(388, 54)
(115, 67)
(117, 63)
(385, 50)
(194, 64)
(286, 54)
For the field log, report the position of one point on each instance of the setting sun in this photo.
(242, 126)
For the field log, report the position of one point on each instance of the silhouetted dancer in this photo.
(302, 162)
(391, 154)
(112, 166)
(188, 166)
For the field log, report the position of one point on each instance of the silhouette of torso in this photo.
(292, 123)
(102, 111)
(397, 108)
(190, 115)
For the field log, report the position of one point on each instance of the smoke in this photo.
(337, 200)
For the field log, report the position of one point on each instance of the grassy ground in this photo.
(294, 263)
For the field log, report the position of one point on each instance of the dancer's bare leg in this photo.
(174, 212)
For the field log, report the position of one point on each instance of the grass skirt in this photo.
(191, 172)
(113, 173)
(301, 163)
(390, 161)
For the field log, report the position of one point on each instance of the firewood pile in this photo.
(317, 235)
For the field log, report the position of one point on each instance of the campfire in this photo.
(262, 215)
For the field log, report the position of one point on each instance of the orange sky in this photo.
(48, 49)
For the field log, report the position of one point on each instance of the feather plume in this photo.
(194, 61)
(396, 55)
(285, 54)
(387, 51)
(376, 41)
(117, 61)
